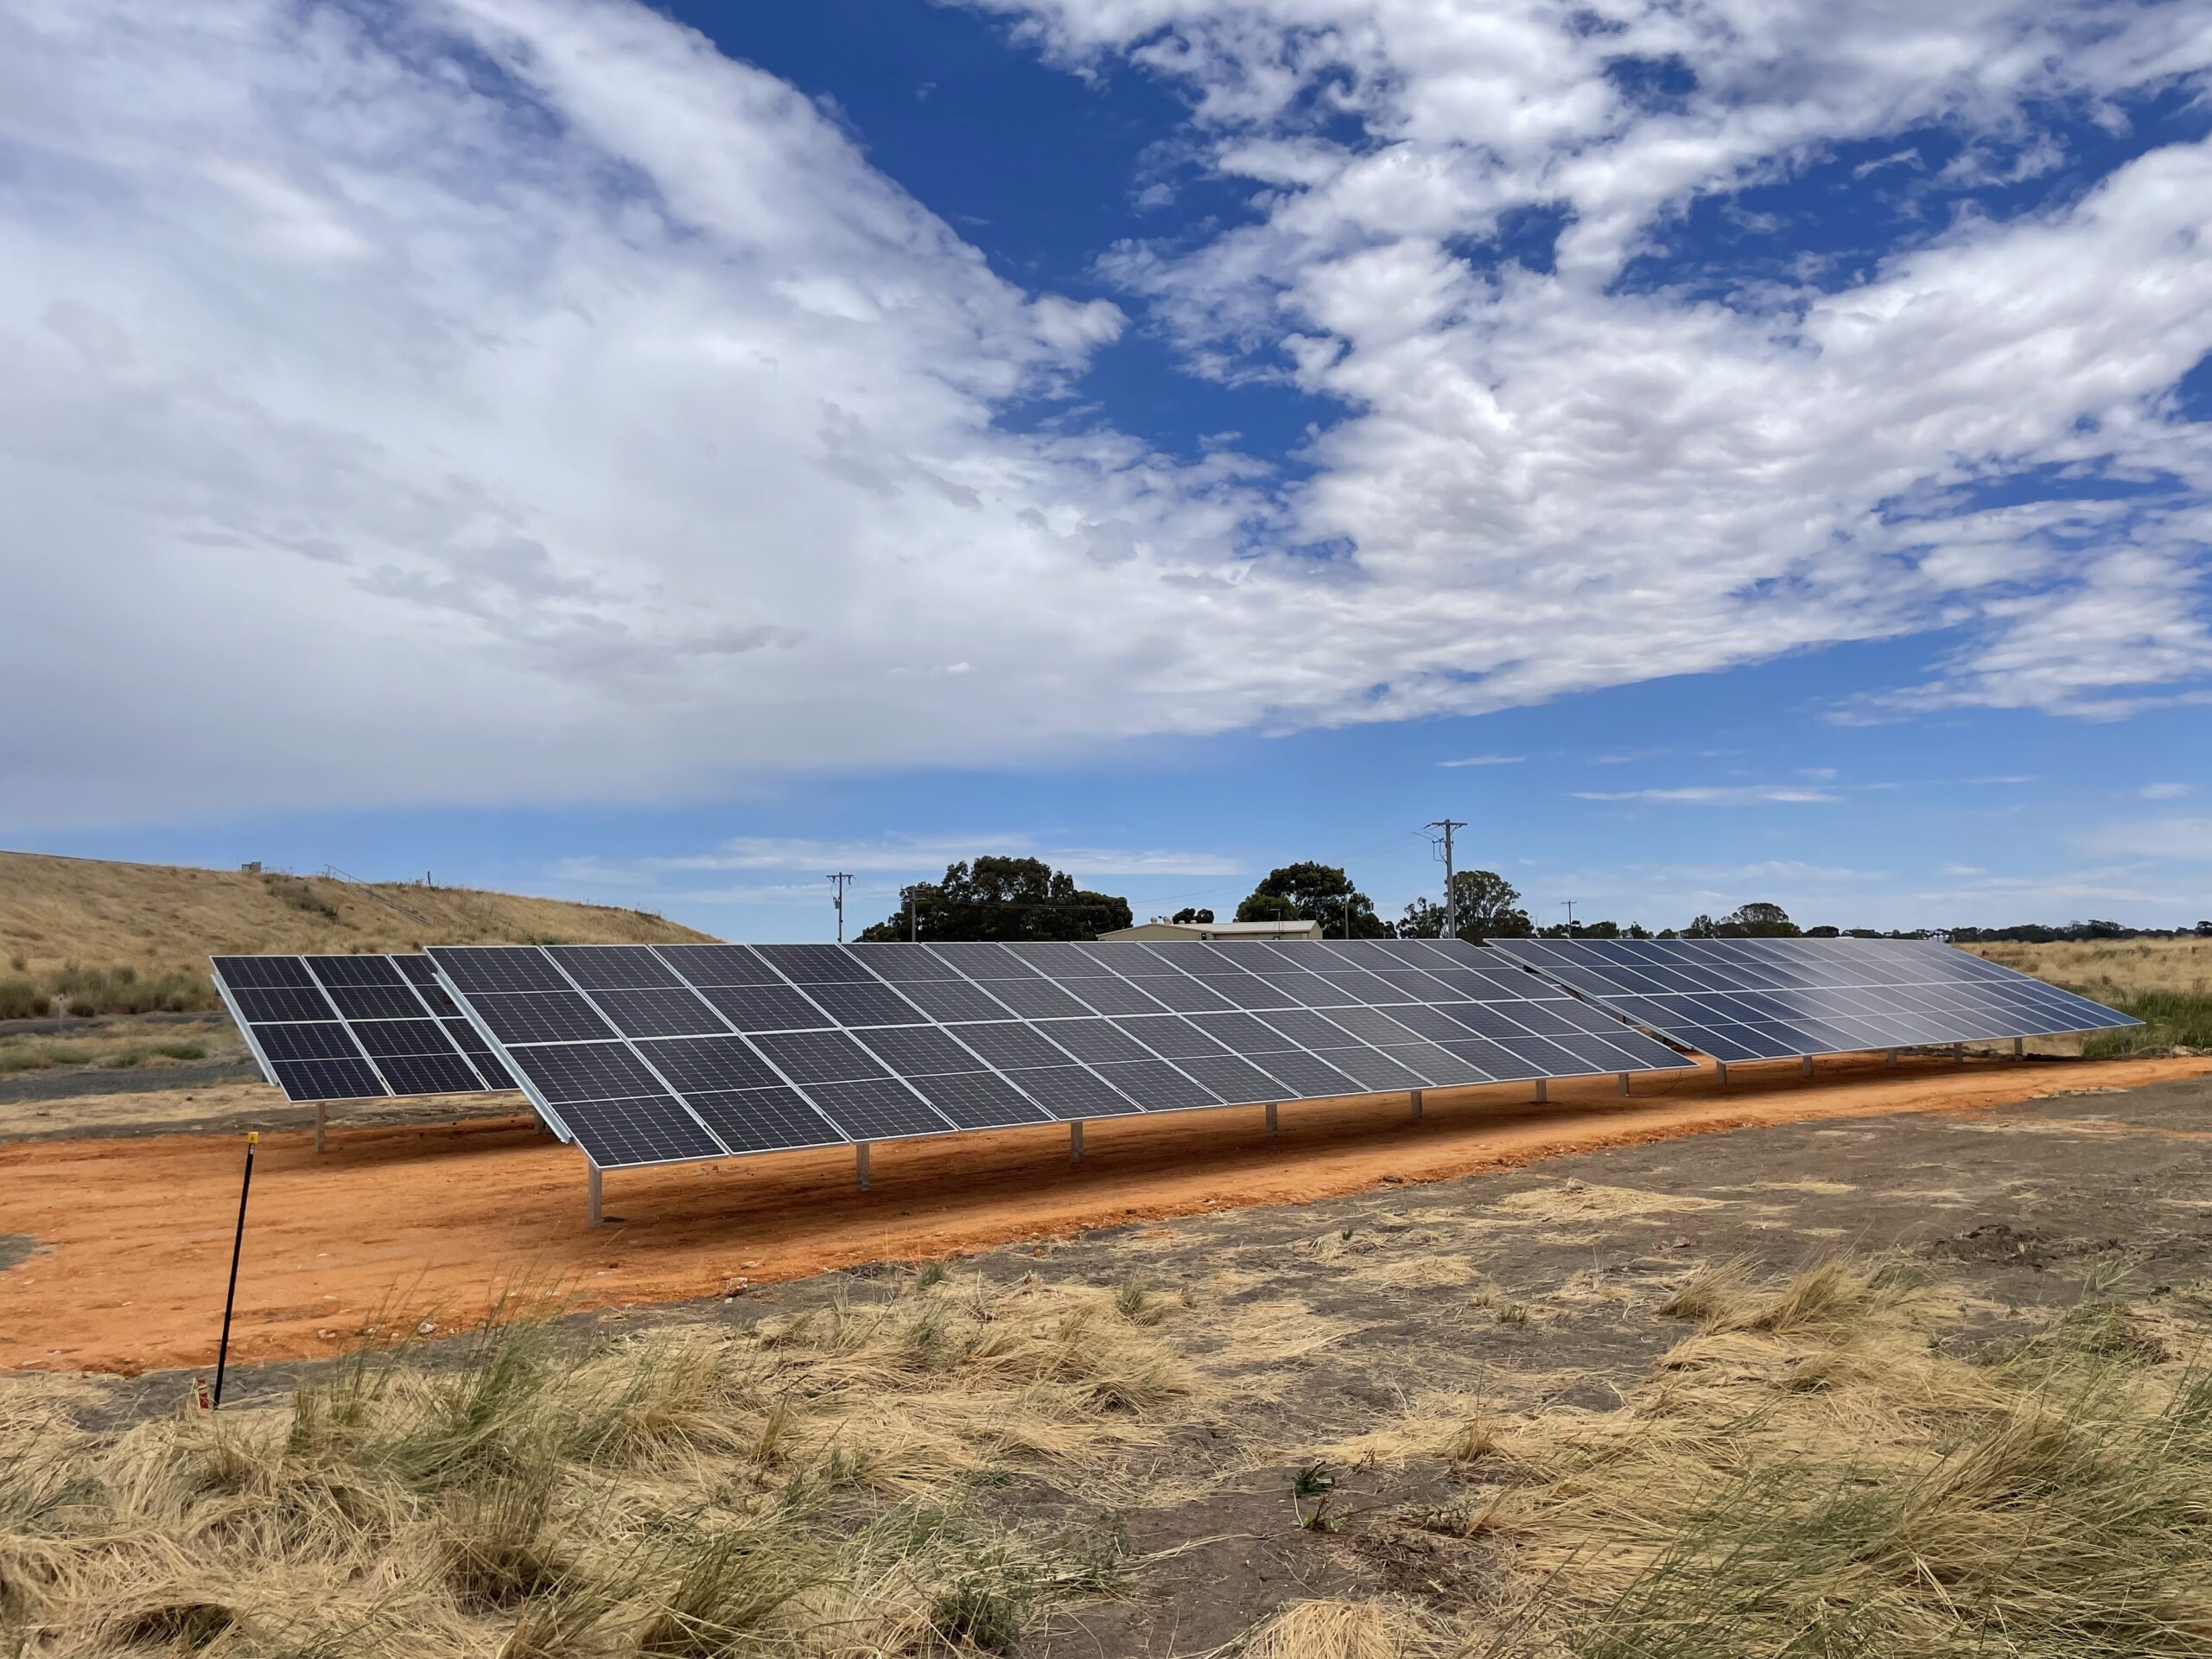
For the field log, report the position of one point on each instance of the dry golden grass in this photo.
(821, 1485)
(1341, 1630)
(1811, 1474)
(158, 919)
(2127, 965)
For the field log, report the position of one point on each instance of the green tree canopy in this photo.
(1267, 908)
(1187, 914)
(1316, 893)
(1004, 898)
(1488, 906)
(1752, 921)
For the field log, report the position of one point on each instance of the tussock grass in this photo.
(1341, 1630)
(1811, 1475)
(2171, 1020)
(812, 1486)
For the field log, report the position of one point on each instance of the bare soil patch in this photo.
(420, 1220)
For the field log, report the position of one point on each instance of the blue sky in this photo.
(662, 457)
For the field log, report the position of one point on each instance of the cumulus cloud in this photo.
(495, 400)
(1608, 460)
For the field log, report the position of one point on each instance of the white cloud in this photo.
(1486, 760)
(1709, 481)
(903, 855)
(492, 400)
(1716, 795)
(2187, 839)
(2163, 791)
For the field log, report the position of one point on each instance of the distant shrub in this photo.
(38, 1056)
(139, 1053)
(21, 1000)
(300, 896)
(125, 991)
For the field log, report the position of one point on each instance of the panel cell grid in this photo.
(885, 1041)
(353, 970)
(430, 1074)
(349, 1027)
(1776, 999)
(614, 966)
(393, 1001)
(766, 1007)
(978, 1100)
(763, 1120)
(677, 1013)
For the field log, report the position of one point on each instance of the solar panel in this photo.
(748, 1048)
(354, 1027)
(1778, 999)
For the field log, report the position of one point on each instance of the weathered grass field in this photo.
(1925, 1385)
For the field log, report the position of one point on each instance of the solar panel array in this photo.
(356, 1028)
(1777, 999)
(666, 1054)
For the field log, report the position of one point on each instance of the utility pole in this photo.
(1450, 898)
(1570, 904)
(839, 882)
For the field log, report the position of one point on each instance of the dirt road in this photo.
(113, 1251)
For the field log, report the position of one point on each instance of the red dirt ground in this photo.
(396, 1224)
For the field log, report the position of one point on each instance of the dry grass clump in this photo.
(1343, 1630)
(1830, 1294)
(1812, 1475)
(816, 1486)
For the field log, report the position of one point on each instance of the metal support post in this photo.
(860, 1165)
(593, 1211)
(1958, 1054)
(318, 1126)
(1543, 1091)
(1807, 1066)
(1890, 1064)
(1075, 1141)
(1624, 1083)
(1273, 1127)
(1416, 1098)
(2019, 1048)
(1721, 1066)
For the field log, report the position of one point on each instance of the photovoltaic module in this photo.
(355, 1027)
(1777, 999)
(648, 1054)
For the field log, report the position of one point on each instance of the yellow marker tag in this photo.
(253, 1137)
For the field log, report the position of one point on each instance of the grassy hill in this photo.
(130, 938)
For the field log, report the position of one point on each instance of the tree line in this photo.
(1025, 898)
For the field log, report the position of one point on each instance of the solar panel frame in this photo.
(1742, 999)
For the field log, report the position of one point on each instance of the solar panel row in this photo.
(1763, 998)
(664, 1053)
(356, 1026)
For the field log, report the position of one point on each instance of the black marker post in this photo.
(238, 1243)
